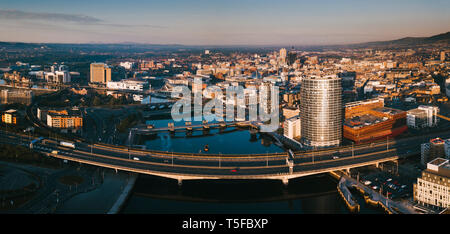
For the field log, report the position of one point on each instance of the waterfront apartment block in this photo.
(100, 73)
(433, 188)
(67, 119)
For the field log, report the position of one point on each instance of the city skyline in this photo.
(221, 23)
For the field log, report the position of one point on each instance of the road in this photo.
(237, 166)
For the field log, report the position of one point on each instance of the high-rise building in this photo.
(291, 57)
(348, 86)
(433, 188)
(283, 54)
(442, 56)
(321, 110)
(100, 73)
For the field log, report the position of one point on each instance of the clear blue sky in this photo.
(227, 22)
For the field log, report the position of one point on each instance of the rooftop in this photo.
(437, 141)
(387, 110)
(439, 162)
(363, 120)
(11, 111)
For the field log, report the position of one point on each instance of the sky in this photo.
(227, 22)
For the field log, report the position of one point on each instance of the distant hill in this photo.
(440, 38)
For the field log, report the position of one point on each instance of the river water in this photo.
(308, 195)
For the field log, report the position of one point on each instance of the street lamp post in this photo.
(353, 152)
(387, 143)
(313, 154)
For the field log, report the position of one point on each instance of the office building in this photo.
(422, 117)
(369, 120)
(433, 188)
(432, 150)
(291, 57)
(100, 73)
(348, 86)
(416, 119)
(321, 111)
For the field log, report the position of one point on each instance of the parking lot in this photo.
(390, 179)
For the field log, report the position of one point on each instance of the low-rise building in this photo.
(16, 96)
(133, 85)
(289, 112)
(292, 127)
(65, 119)
(9, 117)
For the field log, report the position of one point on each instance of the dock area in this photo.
(371, 197)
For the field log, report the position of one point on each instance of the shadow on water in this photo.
(312, 194)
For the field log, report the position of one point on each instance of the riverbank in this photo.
(115, 209)
(102, 199)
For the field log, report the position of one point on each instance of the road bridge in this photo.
(280, 166)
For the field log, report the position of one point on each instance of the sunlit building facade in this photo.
(321, 111)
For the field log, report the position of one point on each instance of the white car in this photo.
(135, 158)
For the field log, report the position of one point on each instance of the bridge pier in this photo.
(180, 182)
(285, 181)
(348, 171)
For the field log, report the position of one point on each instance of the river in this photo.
(308, 195)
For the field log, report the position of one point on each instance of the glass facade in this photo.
(321, 111)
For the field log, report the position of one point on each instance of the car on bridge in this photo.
(235, 169)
